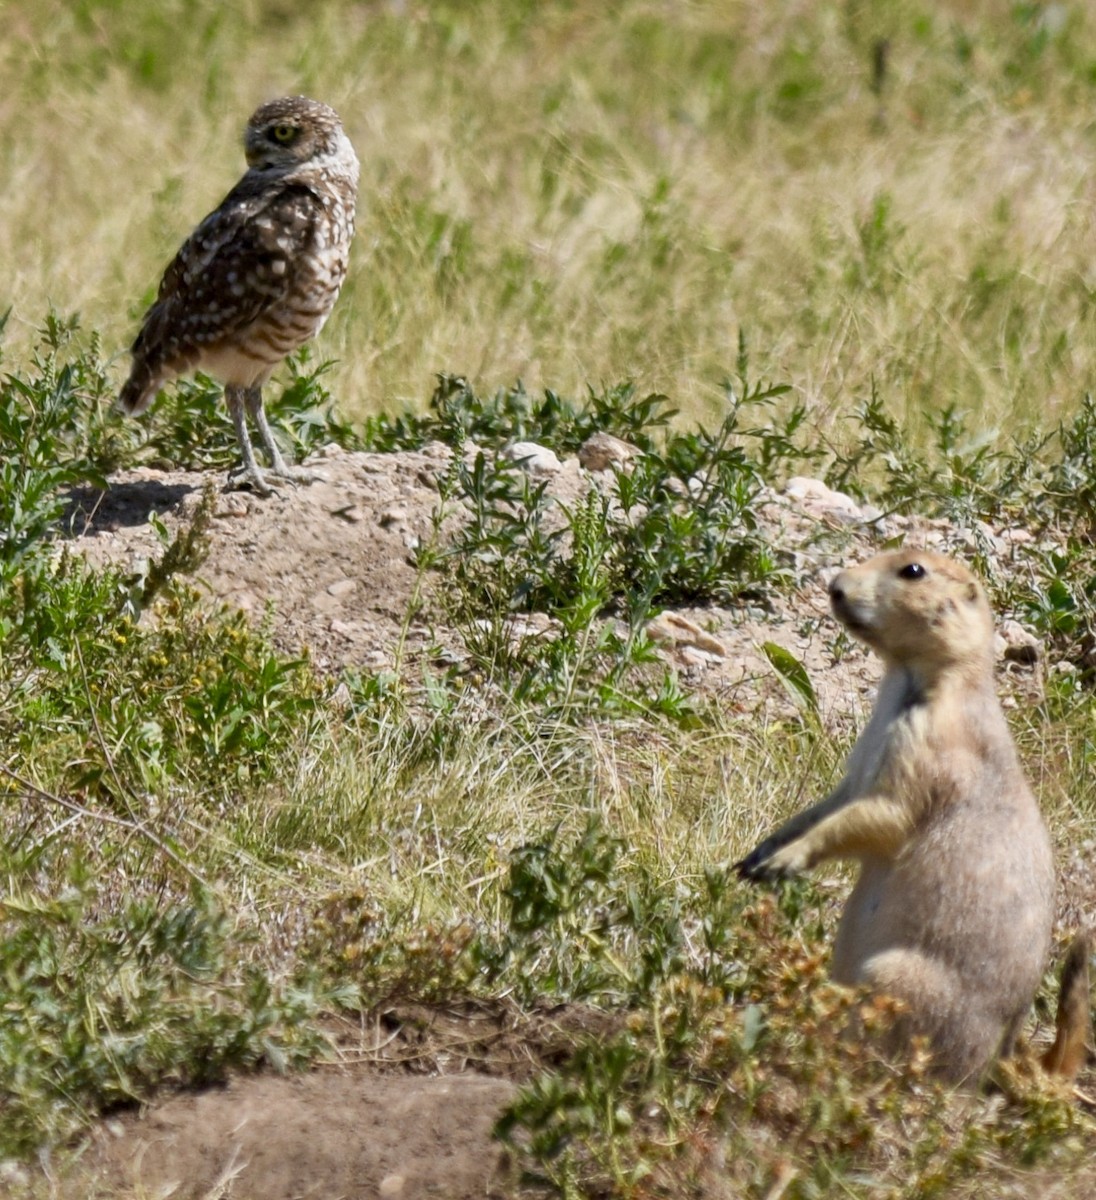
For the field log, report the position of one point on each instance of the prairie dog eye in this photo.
(283, 133)
(912, 570)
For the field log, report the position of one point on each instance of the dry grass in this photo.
(571, 194)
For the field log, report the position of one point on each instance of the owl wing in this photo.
(239, 263)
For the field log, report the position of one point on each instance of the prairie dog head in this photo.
(916, 609)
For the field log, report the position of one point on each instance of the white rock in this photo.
(534, 458)
(395, 515)
(813, 495)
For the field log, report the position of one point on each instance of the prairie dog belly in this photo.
(988, 916)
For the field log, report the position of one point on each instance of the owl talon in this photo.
(243, 477)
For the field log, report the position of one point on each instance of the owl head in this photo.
(293, 130)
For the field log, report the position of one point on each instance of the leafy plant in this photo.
(457, 414)
(958, 476)
(573, 929)
(43, 441)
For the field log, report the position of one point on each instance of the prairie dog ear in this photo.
(972, 592)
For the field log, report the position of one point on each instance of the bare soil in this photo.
(332, 567)
(406, 1107)
(335, 1132)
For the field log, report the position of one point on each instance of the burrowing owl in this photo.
(259, 275)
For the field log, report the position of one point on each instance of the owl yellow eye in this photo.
(283, 133)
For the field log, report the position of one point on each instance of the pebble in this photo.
(814, 496)
(392, 516)
(233, 504)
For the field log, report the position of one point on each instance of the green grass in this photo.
(206, 844)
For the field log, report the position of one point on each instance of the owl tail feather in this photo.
(139, 391)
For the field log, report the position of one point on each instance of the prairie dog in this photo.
(953, 907)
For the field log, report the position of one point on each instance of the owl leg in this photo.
(253, 398)
(249, 473)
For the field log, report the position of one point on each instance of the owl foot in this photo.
(252, 477)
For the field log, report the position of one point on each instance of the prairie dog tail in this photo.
(1074, 1021)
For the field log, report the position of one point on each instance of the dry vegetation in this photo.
(580, 192)
(210, 847)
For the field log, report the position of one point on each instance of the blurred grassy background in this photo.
(899, 191)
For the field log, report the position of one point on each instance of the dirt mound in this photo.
(337, 1131)
(333, 564)
(405, 1107)
(332, 561)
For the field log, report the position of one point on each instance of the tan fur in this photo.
(952, 909)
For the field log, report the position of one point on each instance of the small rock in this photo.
(814, 496)
(672, 629)
(1020, 645)
(523, 626)
(693, 656)
(802, 487)
(341, 587)
(534, 458)
(602, 450)
(392, 516)
(392, 1185)
(12, 1172)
